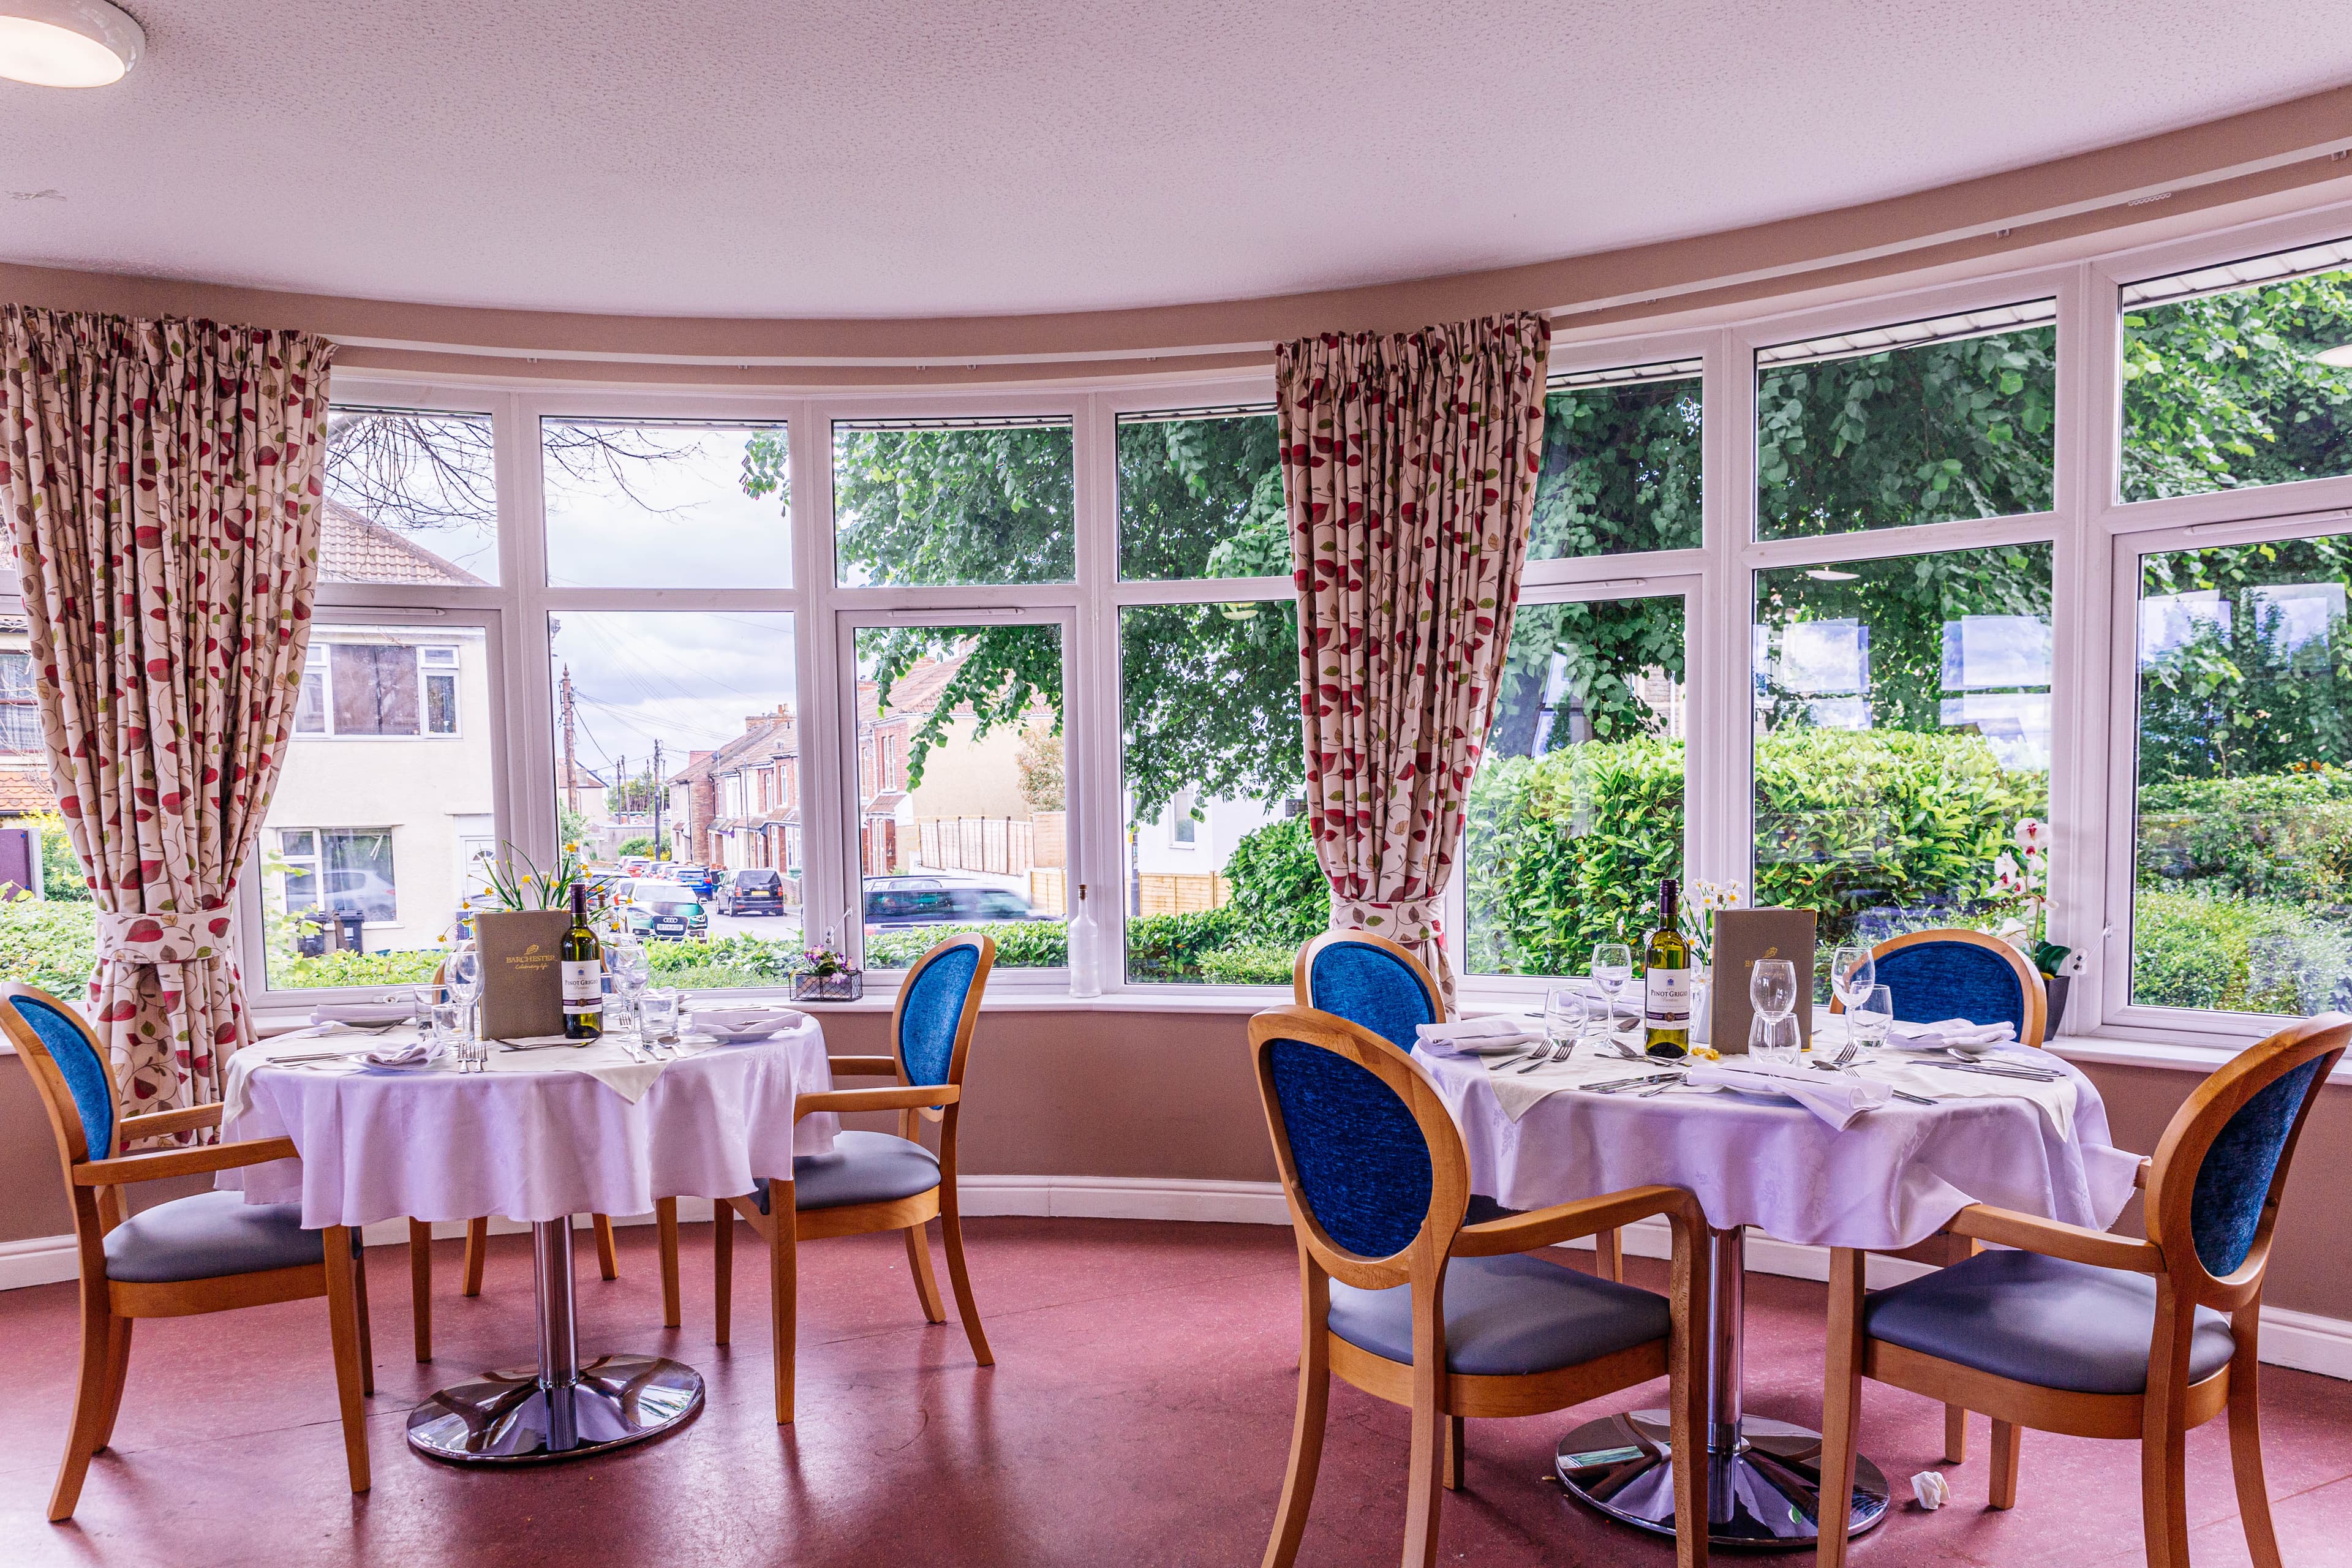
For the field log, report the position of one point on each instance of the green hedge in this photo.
(1020, 945)
(2240, 955)
(51, 943)
(2272, 835)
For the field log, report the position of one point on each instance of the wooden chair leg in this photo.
(420, 1285)
(666, 1228)
(89, 1397)
(360, 1313)
(2006, 1438)
(477, 1243)
(783, 1293)
(2245, 1444)
(959, 1278)
(918, 1264)
(722, 1266)
(1307, 1429)
(343, 1329)
(1955, 1435)
(1457, 1442)
(2163, 1439)
(608, 1262)
(1840, 1404)
(118, 1372)
(1424, 1488)
(1608, 1255)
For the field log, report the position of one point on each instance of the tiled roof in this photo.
(356, 548)
(25, 789)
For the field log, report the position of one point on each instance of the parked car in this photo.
(753, 891)
(899, 901)
(361, 892)
(703, 880)
(658, 908)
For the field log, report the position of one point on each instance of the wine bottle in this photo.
(583, 973)
(1666, 982)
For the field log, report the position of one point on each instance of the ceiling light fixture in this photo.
(1831, 574)
(2339, 357)
(68, 43)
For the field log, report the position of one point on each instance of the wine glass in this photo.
(1773, 987)
(1853, 971)
(633, 969)
(1612, 966)
(1870, 1015)
(461, 972)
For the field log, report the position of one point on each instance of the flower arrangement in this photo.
(2025, 877)
(823, 974)
(1699, 912)
(533, 889)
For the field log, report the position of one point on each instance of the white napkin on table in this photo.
(398, 1052)
(363, 1012)
(1466, 1036)
(1949, 1032)
(603, 1060)
(2055, 1099)
(1836, 1099)
(1518, 1092)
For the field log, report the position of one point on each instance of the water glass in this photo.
(657, 1017)
(1774, 1040)
(1870, 1015)
(1565, 1016)
(448, 1026)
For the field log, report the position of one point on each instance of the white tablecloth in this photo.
(532, 1144)
(1889, 1180)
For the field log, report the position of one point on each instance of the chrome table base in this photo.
(1766, 1493)
(1763, 1478)
(560, 1409)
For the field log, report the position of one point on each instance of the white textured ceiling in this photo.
(868, 159)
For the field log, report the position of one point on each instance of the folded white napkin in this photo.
(1836, 1099)
(1949, 1032)
(361, 1011)
(742, 1020)
(398, 1052)
(2055, 1099)
(1470, 1037)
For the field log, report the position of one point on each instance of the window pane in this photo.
(1577, 808)
(1620, 464)
(374, 688)
(680, 746)
(666, 506)
(369, 817)
(1200, 496)
(1926, 422)
(943, 504)
(440, 704)
(2244, 874)
(971, 834)
(2223, 383)
(1902, 732)
(1222, 885)
(411, 497)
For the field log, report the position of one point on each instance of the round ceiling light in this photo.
(2341, 356)
(68, 43)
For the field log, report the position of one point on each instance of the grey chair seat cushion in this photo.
(864, 1168)
(206, 1236)
(1508, 1316)
(2042, 1320)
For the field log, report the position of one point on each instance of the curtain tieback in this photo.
(164, 939)
(1400, 920)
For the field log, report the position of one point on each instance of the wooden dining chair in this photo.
(2095, 1335)
(478, 1241)
(874, 1180)
(208, 1253)
(1401, 1298)
(1378, 984)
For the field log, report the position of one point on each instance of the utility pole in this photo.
(570, 770)
(659, 793)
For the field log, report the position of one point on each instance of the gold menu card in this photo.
(522, 971)
(1742, 937)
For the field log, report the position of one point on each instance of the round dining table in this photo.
(1888, 1180)
(544, 1130)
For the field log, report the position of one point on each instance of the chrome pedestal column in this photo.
(1763, 1478)
(559, 1410)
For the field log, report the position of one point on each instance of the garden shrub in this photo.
(2242, 955)
(51, 943)
(1020, 945)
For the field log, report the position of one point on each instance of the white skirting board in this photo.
(2305, 1342)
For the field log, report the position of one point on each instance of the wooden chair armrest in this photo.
(900, 1097)
(2140, 1177)
(1565, 1222)
(865, 1066)
(158, 1123)
(124, 1169)
(2051, 1238)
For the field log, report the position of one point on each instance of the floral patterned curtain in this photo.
(1409, 463)
(162, 480)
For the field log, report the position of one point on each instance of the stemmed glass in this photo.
(1853, 971)
(633, 970)
(461, 972)
(1612, 966)
(1773, 987)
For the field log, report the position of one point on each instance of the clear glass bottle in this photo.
(1085, 949)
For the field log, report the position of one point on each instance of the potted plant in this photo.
(2025, 877)
(823, 974)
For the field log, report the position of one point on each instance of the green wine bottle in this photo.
(583, 973)
(1666, 982)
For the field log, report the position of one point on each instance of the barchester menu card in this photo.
(522, 977)
(1742, 937)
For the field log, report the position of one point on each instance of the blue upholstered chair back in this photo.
(2234, 1180)
(931, 1009)
(77, 1060)
(1364, 1166)
(1371, 987)
(1932, 981)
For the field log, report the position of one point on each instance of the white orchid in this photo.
(2033, 836)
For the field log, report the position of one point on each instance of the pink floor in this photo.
(1139, 1413)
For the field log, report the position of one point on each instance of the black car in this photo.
(908, 901)
(753, 891)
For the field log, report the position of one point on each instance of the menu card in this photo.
(522, 971)
(1742, 937)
